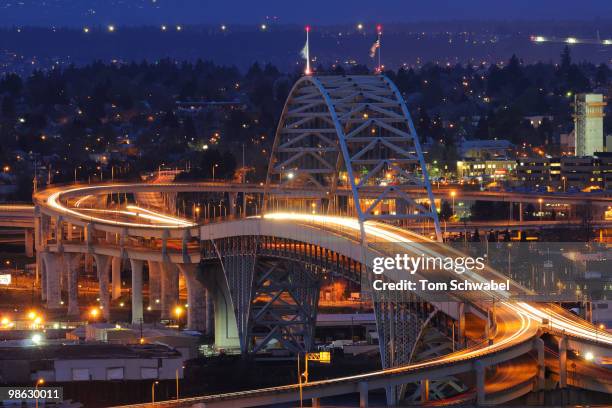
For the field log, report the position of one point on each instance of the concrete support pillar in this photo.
(116, 278)
(461, 324)
(209, 312)
(89, 263)
(154, 285)
(563, 362)
(225, 325)
(480, 383)
(59, 231)
(88, 234)
(424, 390)
(491, 328)
(29, 242)
(45, 222)
(520, 212)
(169, 289)
(52, 273)
(233, 197)
(315, 402)
(37, 230)
(196, 298)
(391, 394)
(71, 262)
(103, 264)
(69, 232)
(164, 244)
(137, 307)
(541, 363)
(363, 394)
(40, 274)
(244, 204)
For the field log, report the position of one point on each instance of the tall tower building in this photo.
(588, 123)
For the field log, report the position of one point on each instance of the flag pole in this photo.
(307, 50)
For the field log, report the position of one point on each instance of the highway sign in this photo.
(321, 357)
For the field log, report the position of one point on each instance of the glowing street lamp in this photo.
(40, 381)
(153, 391)
(540, 201)
(453, 194)
(214, 166)
(178, 312)
(94, 312)
(111, 28)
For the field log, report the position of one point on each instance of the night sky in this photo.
(137, 12)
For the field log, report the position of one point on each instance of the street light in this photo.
(177, 384)
(94, 312)
(453, 194)
(178, 311)
(213, 170)
(540, 201)
(153, 391)
(40, 381)
(564, 179)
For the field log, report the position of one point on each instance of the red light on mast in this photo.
(379, 29)
(307, 28)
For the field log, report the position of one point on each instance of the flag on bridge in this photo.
(374, 47)
(305, 53)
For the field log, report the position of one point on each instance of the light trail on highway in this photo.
(164, 221)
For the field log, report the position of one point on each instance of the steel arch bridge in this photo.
(355, 132)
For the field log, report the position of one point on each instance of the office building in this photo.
(588, 123)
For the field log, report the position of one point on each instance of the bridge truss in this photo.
(274, 284)
(353, 132)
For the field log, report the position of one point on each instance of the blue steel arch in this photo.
(353, 132)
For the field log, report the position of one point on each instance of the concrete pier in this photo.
(137, 306)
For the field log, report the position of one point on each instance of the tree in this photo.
(446, 211)
(8, 106)
(12, 84)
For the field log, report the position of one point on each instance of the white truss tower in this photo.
(353, 132)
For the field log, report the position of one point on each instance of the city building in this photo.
(533, 171)
(486, 149)
(486, 169)
(567, 172)
(588, 123)
(567, 143)
(56, 362)
(181, 341)
(537, 120)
